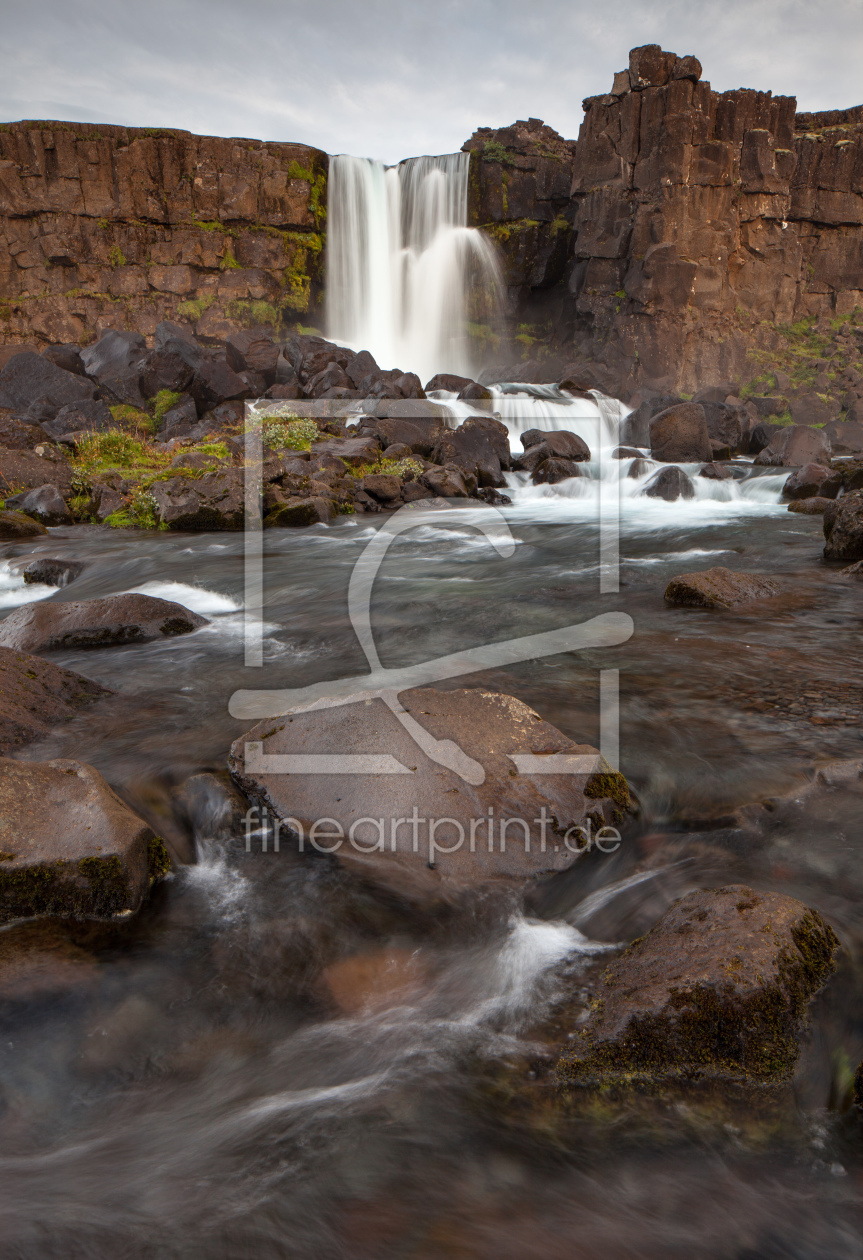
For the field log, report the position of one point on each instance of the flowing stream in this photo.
(273, 1060)
(403, 269)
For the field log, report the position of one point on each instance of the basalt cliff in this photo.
(686, 238)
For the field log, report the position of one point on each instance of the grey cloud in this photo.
(390, 79)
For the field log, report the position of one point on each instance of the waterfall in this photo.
(405, 276)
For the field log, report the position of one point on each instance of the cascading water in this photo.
(405, 275)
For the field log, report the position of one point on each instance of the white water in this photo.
(403, 267)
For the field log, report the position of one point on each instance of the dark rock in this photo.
(253, 351)
(639, 468)
(474, 392)
(475, 447)
(215, 383)
(718, 990)
(409, 385)
(413, 491)
(67, 357)
(679, 435)
(52, 626)
(560, 442)
(382, 486)
(811, 481)
(16, 525)
(353, 451)
(727, 424)
(360, 368)
(49, 572)
(447, 483)
(420, 433)
(625, 452)
(297, 512)
(89, 416)
(551, 471)
(214, 501)
(30, 376)
(809, 507)
(448, 382)
(115, 351)
(71, 847)
(811, 409)
(167, 331)
(649, 66)
(123, 387)
(487, 494)
(398, 451)
(843, 528)
(761, 435)
(669, 484)
(21, 470)
(283, 391)
(36, 696)
(486, 727)
(767, 406)
(716, 472)
(43, 503)
(853, 570)
(712, 394)
(794, 446)
(164, 369)
(846, 438)
(635, 428)
(179, 420)
(718, 588)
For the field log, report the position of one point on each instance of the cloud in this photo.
(389, 79)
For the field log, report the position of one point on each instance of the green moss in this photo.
(116, 257)
(163, 401)
(289, 433)
(483, 334)
(5, 311)
(494, 151)
(132, 418)
(159, 861)
(609, 785)
(229, 262)
(317, 182)
(142, 512)
(405, 468)
(194, 308)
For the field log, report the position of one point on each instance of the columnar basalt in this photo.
(123, 227)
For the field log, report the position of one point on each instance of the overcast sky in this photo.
(388, 79)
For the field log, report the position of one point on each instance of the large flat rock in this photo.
(95, 623)
(412, 818)
(717, 989)
(719, 588)
(68, 845)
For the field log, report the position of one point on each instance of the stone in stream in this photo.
(811, 481)
(718, 989)
(479, 446)
(450, 383)
(670, 484)
(815, 506)
(843, 528)
(794, 446)
(727, 423)
(36, 696)
(716, 472)
(551, 471)
(853, 571)
(446, 483)
(297, 512)
(16, 525)
(718, 588)
(679, 435)
(49, 572)
(52, 626)
(845, 436)
(558, 444)
(625, 452)
(69, 847)
(45, 503)
(396, 828)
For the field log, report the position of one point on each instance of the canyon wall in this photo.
(698, 225)
(122, 227)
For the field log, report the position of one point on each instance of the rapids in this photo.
(274, 1061)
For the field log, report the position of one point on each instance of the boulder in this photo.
(382, 486)
(49, 572)
(353, 451)
(67, 357)
(813, 480)
(168, 331)
(727, 424)
(44, 503)
(635, 427)
(420, 433)
(716, 472)
(448, 382)
(845, 437)
(553, 470)
(71, 848)
(809, 507)
(28, 377)
(36, 696)
(298, 512)
(16, 525)
(486, 727)
(813, 409)
(90, 416)
(761, 435)
(559, 442)
(843, 528)
(475, 447)
(214, 501)
(52, 626)
(639, 468)
(679, 435)
(669, 484)
(447, 483)
(626, 452)
(214, 383)
(253, 351)
(164, 369)
(718, 588)
(474, 392)
(179, 420)
(649, 66)
(123, 388)
(113, 352)
(793, 446)
(362, 370)
(718, 989)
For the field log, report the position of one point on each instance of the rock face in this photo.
(488, 728)
(95, 623)
(70, 846)
(718, 989)
(210, 232)
(718, 588)
(36, 696)
(843, 528)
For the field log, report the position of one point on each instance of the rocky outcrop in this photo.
(718, 588)
(69, 846)
(104, 226)
(95, 623)
(717, 990)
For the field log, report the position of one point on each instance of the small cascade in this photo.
(405, 275)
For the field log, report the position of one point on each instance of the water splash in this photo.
(405, 275)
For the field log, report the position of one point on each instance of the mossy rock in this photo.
(717, 990)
